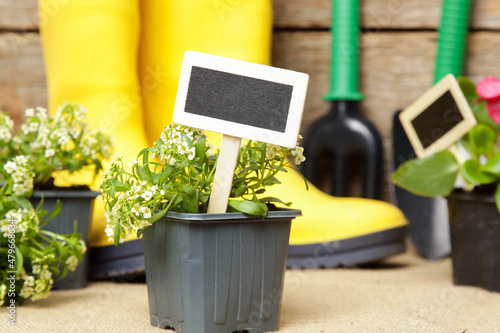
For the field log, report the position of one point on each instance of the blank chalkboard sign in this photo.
(438, 118)
(240, 99)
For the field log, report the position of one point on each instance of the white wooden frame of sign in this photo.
(233, 132)
(448, 83)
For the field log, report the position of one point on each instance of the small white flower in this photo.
(10, 167)
(72, 262)
(154, 188)
(162, 192)
(50, 152)
(133, 210)
(29, 112)
(134, 162)
(147, 195)
(146, 212)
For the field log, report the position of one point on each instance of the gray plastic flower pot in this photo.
(75, 205)
(475, 240)
(217, 273)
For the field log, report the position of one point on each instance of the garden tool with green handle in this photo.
(358, 230)
(428, 217)
(344, 136)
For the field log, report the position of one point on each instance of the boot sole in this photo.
(127, 259)
(347, 252)
(124, 260)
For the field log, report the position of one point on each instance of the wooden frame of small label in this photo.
(297, 80)
(407, 116)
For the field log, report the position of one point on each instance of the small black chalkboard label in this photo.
(241, 99)
(437, 120)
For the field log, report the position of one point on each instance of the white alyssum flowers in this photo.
(6, 127)
(20, 171)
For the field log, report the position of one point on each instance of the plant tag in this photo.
(240, 100)
(438, 118)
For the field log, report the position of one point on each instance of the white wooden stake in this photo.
(224, 172)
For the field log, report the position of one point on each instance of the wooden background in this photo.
(398, 45)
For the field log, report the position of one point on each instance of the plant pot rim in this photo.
(68, 192)
(471, 196)
(282, 213)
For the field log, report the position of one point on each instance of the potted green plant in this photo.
(205, 272)
(61, 145)
(31, 258)
(474, 206)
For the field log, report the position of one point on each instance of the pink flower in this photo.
(488, 89)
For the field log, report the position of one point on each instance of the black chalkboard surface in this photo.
(438, 118)
(240, 99)
(237, 98)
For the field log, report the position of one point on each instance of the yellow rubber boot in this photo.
(332, 231)
(235, 29)
(90, 53)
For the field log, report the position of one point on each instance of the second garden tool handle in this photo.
(452, 38)
(344, 63)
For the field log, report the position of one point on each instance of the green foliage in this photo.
(33, 255)
(49, 144)
(431, 176)
(43, 146)
(436, 174)
(177, 175)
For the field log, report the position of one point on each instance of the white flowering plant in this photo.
(177, 175)
(31, 257)
(50, 144)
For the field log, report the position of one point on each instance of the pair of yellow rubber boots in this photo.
(122, 58)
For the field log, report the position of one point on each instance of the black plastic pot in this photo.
(475, 240)
(75, 205)
(217, 273)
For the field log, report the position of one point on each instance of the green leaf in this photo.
(55, 211)
(19, 260)
(434, 175)
(472, 173)
(497, 197)
(144, 172)
(493, 165)
(469, 89)
(274, 199)
(239, 191)
(200, 147)
(250, 168)
(158, 216)
(116, 234)
(190, 203)
(165, 173)
(482, 137)
(22, 202)
(190, 190)
(248, 207)
(482, 116)
(303, 178)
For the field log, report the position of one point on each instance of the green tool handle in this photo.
(452, 38)
(344, 62)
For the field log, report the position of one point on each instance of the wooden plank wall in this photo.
(398, 45)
